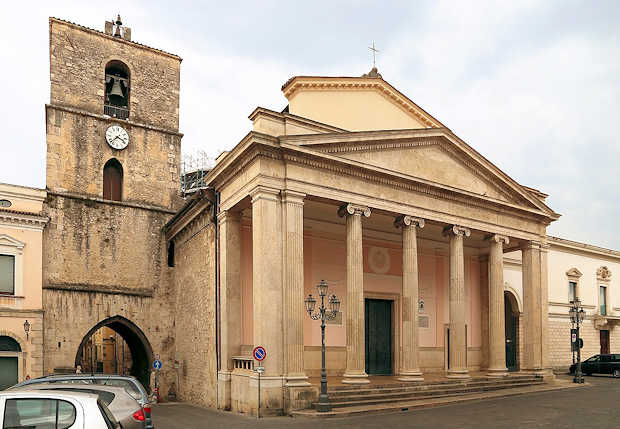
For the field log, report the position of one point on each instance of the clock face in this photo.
(117, 137)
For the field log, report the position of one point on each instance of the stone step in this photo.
(425, 387)
(386, 398)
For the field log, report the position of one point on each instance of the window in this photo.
(603, 300)
(572, 291)
(116, 102)
(113, 180)
(171, 253)
(8, 344)
(38, 414)
(7, 274)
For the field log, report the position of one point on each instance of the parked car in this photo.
(600, 364)
(124, 407)
(129, 383)
(36, 409)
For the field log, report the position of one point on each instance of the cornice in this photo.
(23, 219)
(75, 196)
(94, 288)
(294, 118)
(187, 219)
(195, 224)
(355, 83)
(583, 247)
(110, 119)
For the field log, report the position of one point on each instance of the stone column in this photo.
(410, 369)
(230, 300)
(267, 279)
(497, 330)
(535, 307)
(294, 309)
(356, 341)
(457, 338)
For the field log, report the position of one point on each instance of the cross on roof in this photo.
(374, 54)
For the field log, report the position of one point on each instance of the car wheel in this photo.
(617, 373)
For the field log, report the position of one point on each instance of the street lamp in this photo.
(577, 314)
(27, 328)
(323, 314)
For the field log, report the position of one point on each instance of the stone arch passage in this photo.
(139, 346)
(511, 315)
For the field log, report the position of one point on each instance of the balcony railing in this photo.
(116, 112)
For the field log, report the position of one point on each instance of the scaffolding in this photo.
(194, 169)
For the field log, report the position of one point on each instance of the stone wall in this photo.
(194, 279)
(78, 57)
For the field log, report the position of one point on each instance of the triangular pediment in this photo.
(432, 156)
(6, 240)
(574, 272)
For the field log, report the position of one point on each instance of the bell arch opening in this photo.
(92, 355)
(117, 88)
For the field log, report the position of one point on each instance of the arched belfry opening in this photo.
(113, 180)
(117, 87)
(116, 346)
(511, 315)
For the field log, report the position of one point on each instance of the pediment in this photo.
(574, 272)
(6, 240)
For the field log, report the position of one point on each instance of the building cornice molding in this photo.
(11, 217)
(82, 197)
(94, 288)
(106, 118)
(583, 247)
(295, 119)
(188, 218)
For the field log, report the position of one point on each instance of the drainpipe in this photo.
(216, 210)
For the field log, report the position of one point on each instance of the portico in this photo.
(407, 226)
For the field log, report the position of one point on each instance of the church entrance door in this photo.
(511, 320)
(378, 316)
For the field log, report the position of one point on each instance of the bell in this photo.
(116, 95)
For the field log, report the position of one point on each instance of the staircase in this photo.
(354, 399)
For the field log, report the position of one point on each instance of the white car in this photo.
(36, 409)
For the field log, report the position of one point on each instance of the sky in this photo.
(534, 86)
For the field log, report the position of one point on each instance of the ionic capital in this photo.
(353, 209)
(456, 230)
(406, 220)
(498, 238)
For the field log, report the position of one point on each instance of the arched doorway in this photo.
(511, 315)
(10, 350)
(136, 359)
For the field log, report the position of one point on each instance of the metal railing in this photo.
(115, 111)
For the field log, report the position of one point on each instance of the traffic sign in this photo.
(157, 364)
(259, 353)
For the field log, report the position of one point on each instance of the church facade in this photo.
(440, 260)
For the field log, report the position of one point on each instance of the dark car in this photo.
(600, 364)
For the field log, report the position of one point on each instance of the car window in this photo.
(108, 417)
(593, 359)
(38, 414)
(605, 358)
(126, 384)
(616, 358)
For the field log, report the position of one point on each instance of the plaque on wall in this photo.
(423, 321)
(336, 320)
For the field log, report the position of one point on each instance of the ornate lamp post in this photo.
(577, 315)
(323, 314)
(27, 328)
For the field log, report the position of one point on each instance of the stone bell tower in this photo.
(113, 158)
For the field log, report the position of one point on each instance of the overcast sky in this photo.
(532, 85)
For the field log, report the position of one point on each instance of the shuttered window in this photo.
(7, 274)
(113, 181)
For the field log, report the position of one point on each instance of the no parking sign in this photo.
(259, 353)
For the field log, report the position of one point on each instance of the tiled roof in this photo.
(116, 38)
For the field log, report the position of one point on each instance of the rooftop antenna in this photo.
(374, 54)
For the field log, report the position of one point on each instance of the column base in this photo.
(497, 372)
(224, 390)
(460, 374)
(355, 378)
(411, 376)
(297, 381)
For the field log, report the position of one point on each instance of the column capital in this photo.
(264, 193)
(293, 197)
(498, 238)
(531, 245)
(406, 220)
(353, 209)
(456, 230)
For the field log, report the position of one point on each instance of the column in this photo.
(267, 278)
(497, 332)
(356, 346)
(229, 224)
(294, 310)
(410, 370)
(535, 307)
(457, 337)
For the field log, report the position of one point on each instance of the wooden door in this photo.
(8, 372)
(604, 342)
(378, 315)
(511, 336)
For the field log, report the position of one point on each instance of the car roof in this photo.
(70, 386)
(31, 393)
(87, 375)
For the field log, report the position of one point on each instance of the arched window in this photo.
(116, 102)
(8, 344)
(171, 253)
(113, 180)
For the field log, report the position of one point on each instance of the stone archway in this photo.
(139, 346)
(511, 315)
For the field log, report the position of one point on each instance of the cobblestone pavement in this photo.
(597, 406)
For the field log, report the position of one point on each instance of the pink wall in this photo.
(325, 259)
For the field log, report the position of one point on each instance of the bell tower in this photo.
(113, 159)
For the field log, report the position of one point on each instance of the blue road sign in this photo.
(259, 353)
(157, 364)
